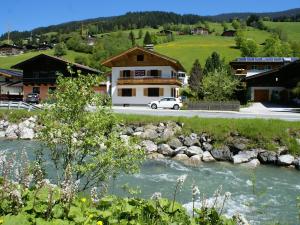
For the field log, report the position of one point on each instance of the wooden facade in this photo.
(7, 50)
(229, 33)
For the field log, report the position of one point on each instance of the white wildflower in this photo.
(195, 190)
(94, 195)
(156, 196)
(227, 194)
(181, 179)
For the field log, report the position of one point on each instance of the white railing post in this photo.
(9, 104)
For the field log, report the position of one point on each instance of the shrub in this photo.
(60, 49)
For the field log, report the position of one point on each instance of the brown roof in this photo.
(173, 62)
(79, 66)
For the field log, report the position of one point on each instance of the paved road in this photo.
(289, 116)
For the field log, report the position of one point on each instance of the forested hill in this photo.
(154, 19)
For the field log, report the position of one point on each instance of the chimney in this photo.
(149, 47)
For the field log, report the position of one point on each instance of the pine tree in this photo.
(214, 62)
(196, 77)
(140, 34)
(147, 38)
(132, 38)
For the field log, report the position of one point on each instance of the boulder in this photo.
(155, 156)
(174, 126)
(222, 154)
(238, 144)
(174, 143)
(282, 150)
(207, 157)
(285, 160)
(26, 133)
(167, 133)
(207, 146)
(125, 138)
(128, 131)
(191, 140)
(11, 131)
(150, 127)
(244, 156)
(252, 164)
(149, 134)
(139, 129)
(149, 146)
(297, 163)
(194, 150)
(165, 150)
(2, 134)
(181, 157)
(195, 160)
(267, 157)
(138, 133)
(180, 150)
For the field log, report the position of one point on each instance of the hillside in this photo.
(291, 29)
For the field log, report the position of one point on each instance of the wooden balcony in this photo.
(149, 80)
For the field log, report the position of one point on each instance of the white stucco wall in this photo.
(139, 99)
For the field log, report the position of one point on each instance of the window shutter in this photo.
(145, 91)
(133, 91)
(119, 92)
(148, 73)
(172, 92)
(159, 73)
(121, 73)
(161, 92)
(131, 73)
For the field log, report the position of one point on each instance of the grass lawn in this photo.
(7, 62)
(187, 48)
(292, 29)
(267, 134)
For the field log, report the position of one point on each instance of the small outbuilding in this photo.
(229, 33)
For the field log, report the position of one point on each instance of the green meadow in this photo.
(292, 29)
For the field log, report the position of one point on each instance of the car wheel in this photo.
(176, 107)
(153, 106)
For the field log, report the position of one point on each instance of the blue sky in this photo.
(29, 14)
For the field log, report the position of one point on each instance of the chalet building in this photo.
(140, 75)
(229, 33)
(41, 71)
(249, 66)
(7, 50)
(200, 31)
(11, 85)
(165, 32)
(274, 85)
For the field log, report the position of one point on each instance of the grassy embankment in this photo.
(267, 134)
(292, 29)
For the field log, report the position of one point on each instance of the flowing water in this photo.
(265, 195)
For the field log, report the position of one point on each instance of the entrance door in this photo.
(261, 95)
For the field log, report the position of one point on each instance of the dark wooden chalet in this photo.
(276, 84)
(229, 33)
(165, 32)
(7, 50)
(40, 73)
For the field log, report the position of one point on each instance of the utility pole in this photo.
(8, 33)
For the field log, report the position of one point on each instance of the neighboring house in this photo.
(11, 85)
(7, 50)
(40, 74)
(140, 76)
(274, 85)
(165, 32)
(200, 31)
(249, 66)
(91, 40)
(229, 33)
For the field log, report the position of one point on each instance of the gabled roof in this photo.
(21, 65)
(11, 73)
(173, 62)
(265, 59)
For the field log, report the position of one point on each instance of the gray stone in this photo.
(149, 134)
(2, 134)
(222, 154)
(139, 129)
(252, 164)
(194, 150)
(195, 160)
(149, 146)
(267, 157)
(297, 163)
(207, 147)
(190, 141)
(180, 150)
(285, 160)
(150, 127)
(125, 138)
(26, 133)
(181, 157)
(244, 156)
(165, 150)
(238, 144)
(207, 157)
(11, 131)
(155, 156)
(138, 133)
(129, 131)
(282, 150)
(174, 143)
(167, 133)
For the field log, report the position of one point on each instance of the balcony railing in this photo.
(149, 80)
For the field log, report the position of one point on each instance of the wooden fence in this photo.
(218, 106)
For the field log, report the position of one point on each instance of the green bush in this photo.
(15, 115)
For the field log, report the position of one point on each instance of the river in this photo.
(274, 199)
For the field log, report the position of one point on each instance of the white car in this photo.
(168, 102)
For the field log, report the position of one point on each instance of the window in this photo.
(254, 67)
(51, 90)
(154, 73)
(126, 73)
(36, 90)
(268, 67)
(153, 92)
(127, 92)
(140, 73)
(140, 58)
